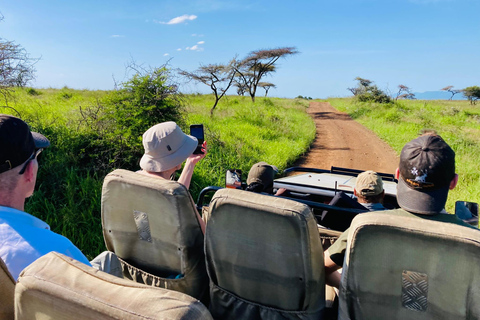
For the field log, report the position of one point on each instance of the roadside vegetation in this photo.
(90, 137)
(458, 122)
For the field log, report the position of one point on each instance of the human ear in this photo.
(454, 182)
(30, 173)
(397, 173)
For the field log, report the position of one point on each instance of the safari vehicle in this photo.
(260, 258)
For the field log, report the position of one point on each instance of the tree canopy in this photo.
(256, 65)
(472, 93)
(16, 66)
(218, 77)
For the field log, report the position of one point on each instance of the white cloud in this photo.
(166, 54)
(179, 49)
(116, 36)
(197, 35)
(200, 42)
(194, 48)
(180, 19)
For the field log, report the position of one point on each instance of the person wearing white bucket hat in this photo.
(166, 148)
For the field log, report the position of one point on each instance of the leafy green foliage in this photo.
(472, 93)
(366, 91)
(32, 91)
(114, 126)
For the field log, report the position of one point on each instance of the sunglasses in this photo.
(33, 156)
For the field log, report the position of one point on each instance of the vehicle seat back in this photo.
(7, 289)
(340, 220)
(399, 267)
(151, 225)
(58, 287)
(264, 258)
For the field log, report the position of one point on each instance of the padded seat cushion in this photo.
(151, 225)
(400, 267)
(58, 287)
(263, 250)
(7, 289)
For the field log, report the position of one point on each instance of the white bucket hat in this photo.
(166, 146)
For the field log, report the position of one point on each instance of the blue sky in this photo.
(423, 44)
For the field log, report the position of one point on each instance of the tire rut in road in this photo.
(342, 142)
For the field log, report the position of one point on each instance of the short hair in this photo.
(9, 181)
(372, 198)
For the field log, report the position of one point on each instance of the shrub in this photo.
(33, 92)
(366, 91)
(114, 126)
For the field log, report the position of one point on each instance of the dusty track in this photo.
(343, 142)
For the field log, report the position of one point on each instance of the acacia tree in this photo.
(16, 66)
(266, 86)
(451, 90)
(257, 64)
(367, 91)
(240, 88)
(472, 93)
(214, 76)
(404, 93)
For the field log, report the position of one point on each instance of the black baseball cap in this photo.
(427, 166)
(17, 142)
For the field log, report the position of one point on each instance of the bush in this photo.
(114, 126)
(33, 92)
(366, 91)
(472, 93)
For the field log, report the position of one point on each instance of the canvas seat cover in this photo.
(264, 258)
(58, 287)
(409, 268)
(151, 225)
(7, 289)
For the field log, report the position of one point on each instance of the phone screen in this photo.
(196, 130)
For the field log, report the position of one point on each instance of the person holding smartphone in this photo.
(166, 148)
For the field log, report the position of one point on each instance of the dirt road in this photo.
(342, 142)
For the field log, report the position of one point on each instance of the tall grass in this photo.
(68, 192)
(457, 122)
(241, 133)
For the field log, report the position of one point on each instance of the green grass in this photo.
(457, 122)
(68, 193)
(240, 133)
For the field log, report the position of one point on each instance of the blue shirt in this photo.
(25, 238)
(373, 206)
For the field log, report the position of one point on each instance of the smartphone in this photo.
(233, 179)
(196, 130)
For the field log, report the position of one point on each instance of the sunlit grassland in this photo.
(457, 122)
(239, 134)
(53, 107)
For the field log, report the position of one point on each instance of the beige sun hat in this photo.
(166, 146)
(369, 183)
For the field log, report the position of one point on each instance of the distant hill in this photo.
(438, 95)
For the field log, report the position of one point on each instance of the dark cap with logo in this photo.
(427, 166)
(17, 142)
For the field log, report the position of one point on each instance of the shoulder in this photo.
(18, 219)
